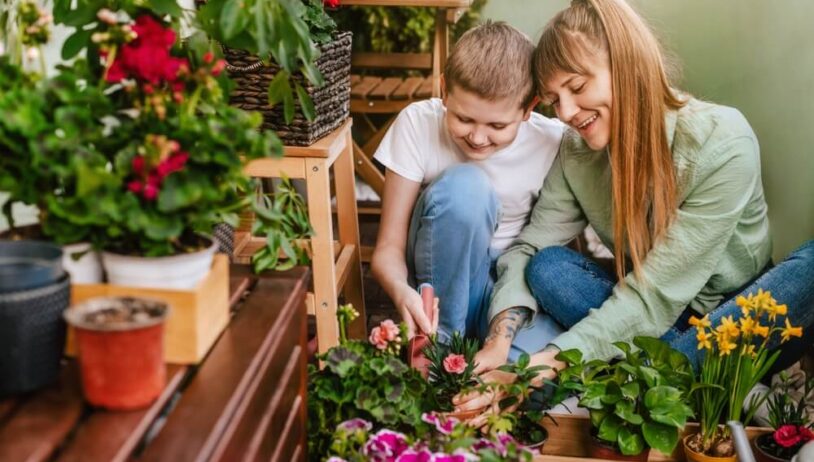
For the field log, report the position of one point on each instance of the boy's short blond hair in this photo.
(493, 61)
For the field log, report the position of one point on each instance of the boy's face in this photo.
(480, 127)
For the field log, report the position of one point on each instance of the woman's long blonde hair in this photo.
(643, 175)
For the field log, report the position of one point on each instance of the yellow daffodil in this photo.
(749, 350)
(745, 304)
(789, 332)
(782, 310)
(728, 326)
(704, 340)
(725, 346)
(763, 331)
(747, 325)
(702, 322)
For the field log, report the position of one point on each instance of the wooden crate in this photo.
(197, 316)
(568, 441)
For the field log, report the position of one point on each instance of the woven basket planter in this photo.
(331, 101)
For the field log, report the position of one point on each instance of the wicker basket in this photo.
(331, 101)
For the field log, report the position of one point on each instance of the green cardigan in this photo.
(717, 243)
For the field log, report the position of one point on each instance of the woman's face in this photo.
(583, 101)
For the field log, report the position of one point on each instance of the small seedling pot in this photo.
(121, 350)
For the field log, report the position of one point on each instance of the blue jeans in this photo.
(448, 246)
(568, 285)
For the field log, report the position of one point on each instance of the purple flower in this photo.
(441, 457)
(385, 446)
(444, 426)
(482, 444)
(355, 424)
(415, 455)
(336, 459)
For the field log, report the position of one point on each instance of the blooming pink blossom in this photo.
(385, 446)
(444, 426)
(391, 330)
(378, 338)
(455, 364)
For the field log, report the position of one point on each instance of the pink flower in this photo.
(416, 455)
(787, 436)
(391, 330)
(385, 446)
(135, 186)
(218, 67)
(444, 426)
(172, 164)
(355, 424)
(138, 164)
(330, 3)
(378, 338)
(805, 433)
(208, 57)
(455, 364)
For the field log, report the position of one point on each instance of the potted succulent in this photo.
(365, 380)
(121, 350)
(790, 420)
(736, 358)
(635, 403)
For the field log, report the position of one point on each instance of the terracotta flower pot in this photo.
(462, 416)
(598, 449)
(693, 456)
(121, 350)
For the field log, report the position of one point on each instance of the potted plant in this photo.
(121, 350)
(440, 440)
(789, 419)
(451, 369)
(364, 380)
(736, 358)
(175, 149)
(635, 403)
(308, 60)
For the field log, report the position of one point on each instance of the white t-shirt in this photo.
(418, 147)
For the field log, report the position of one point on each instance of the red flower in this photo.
(147, 58)
(330, 3)
(135, 186)
(805, 433)
(171, 164)
(208, 57)
(138, 164)
(455, 364)
(218, 67)
(787, 436)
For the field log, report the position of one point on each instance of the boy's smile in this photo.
(481, 127)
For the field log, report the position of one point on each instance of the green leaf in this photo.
(592, 398)
(609, 428)
(75, 43)
(572, 356)
(626, 410)
(674, 414)
(233, 18)
(278, 88)
(661, 437)
(169, 7)
(597, 416)
(651, 376)
(288, 106)
(661, 396)
(306, 103)
(630, 443)
(631, 390)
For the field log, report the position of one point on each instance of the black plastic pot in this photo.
(32, 336)
(29, 264)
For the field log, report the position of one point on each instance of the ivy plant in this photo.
(641, 399)
(282, 217)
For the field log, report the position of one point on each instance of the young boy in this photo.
(482, 155)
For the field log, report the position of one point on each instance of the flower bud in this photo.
(107, 16)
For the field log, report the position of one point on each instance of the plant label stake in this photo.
(415, 350)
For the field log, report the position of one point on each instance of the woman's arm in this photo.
(389, 262)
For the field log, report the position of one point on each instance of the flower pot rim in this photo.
(688, 449)
(212, 248)
(75, 316)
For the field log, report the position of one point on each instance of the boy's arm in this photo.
(389, 263)
(502, 331)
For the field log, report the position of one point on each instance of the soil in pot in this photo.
(530, 434)
(120, 344)
(599, 449)
(767, 449)
(722, 450)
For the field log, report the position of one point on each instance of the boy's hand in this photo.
(492, 356)
(411, 308)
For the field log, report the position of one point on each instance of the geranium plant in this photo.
(636, 402)
(174, 146)
(364, 379)
(443, 440)
(736, 358)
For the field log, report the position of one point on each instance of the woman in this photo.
(672, 180)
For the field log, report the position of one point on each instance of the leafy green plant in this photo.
(282, 217)
(360, 380)
(399, 29)
(284, 31)
(450, 368)
(641, 399)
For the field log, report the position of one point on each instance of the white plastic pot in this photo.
(174, 272)
(87, 269)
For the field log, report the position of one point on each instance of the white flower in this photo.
(107, 16)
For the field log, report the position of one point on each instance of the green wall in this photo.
(755, 55)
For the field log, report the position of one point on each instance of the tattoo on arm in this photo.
(505, 324)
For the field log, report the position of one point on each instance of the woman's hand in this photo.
(491, 356)
(487, 401)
